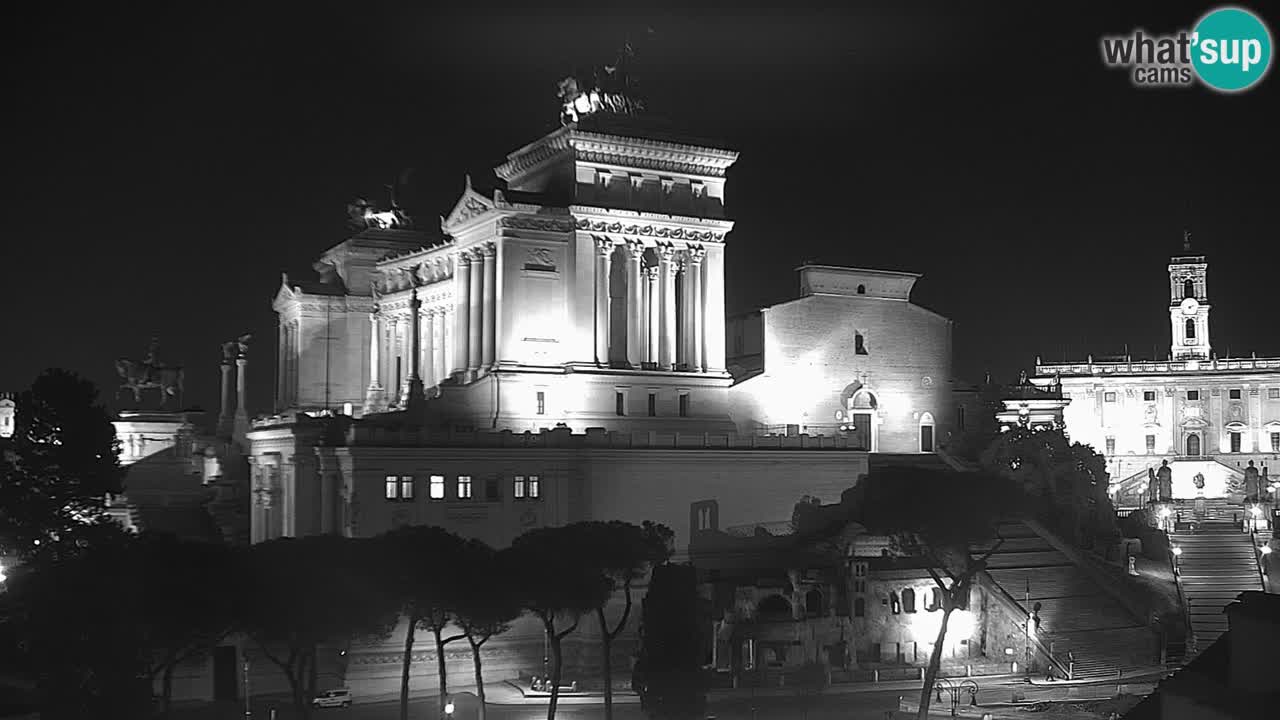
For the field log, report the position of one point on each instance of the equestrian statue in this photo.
(151, 374)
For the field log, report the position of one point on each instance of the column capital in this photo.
(375, 313)
(635, 247)
(604, 245)
(462, 258)
(487, 250)
(696, 253)
(666, 252)
(651, 272)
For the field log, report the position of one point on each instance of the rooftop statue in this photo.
(151, 374)
(362, 214)
(610, 88)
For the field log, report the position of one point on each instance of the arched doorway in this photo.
(1193, 445)
(926, 433)
(863, 406)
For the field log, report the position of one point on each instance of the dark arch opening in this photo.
(862, 289)
(1191, 329)
(1188, 289)
(909, 600)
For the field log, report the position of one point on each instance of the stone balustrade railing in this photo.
(1151, 367)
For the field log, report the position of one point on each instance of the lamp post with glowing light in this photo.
(1165, 512)
(1177, 555)
(1255, 516)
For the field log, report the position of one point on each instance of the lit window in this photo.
(393, 487)
(535, 488)
(894, 606)
(1235, 442)
(1111, 446)
(1109, 397)
(1275, 442)
(437, 487)
(464, 487)
(1233, 394)
(684, 405)
(1151, 444)
(1149, 395)
(619, 403)
(1193, 394)
(517, 488)
(406, 487)
(653, 404)
(542, 403)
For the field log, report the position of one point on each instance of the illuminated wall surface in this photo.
(1192, 408)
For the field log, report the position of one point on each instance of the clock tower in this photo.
(1189, 304)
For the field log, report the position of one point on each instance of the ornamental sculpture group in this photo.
(151, 374)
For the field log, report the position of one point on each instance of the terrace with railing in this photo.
(1128, 366)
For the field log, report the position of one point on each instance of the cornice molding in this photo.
(534, 154)
(545, 224)
(649, 230)
(651, 154)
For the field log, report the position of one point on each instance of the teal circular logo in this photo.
(1231, 49)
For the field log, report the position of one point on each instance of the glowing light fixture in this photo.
(1177, 550)
(1265, 549)
(3, 577)
(448, 708)
(1165, 512)
(1256, 510)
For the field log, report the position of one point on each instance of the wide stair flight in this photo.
(1218, 562)
(1077, 615)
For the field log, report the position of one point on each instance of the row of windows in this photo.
(1232, 394)
(897, 604)
(523, 487)
(620, 404)
(1236, 439)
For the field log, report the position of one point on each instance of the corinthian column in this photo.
(635, 251)
(428, 349)
(693, 278)
(667, 272)
(461, 311)
(413, 384)
(653, 297)
(374, 393)
(713, 317)
(604, 247)
(475, 318)
(490, 280)
(442, 345)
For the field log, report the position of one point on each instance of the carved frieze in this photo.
(540, 256)
(525, 222)
(649, 231)
(469, 207)
(1215, 392)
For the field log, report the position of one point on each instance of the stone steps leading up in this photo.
(1217, 563)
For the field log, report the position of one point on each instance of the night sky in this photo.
(164, 166)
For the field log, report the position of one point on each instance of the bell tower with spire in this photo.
(1189, 304)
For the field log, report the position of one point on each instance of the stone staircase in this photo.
(1077, 615)
(1218, 562)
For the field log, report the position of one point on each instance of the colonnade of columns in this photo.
(433, 342)
(667, 326)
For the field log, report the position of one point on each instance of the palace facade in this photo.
(1202, 413)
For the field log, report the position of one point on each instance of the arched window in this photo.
(859, 345)
(935, 600)
(909, 600)
(813, 602)
(859, 607)
(894, 606)
(1193, 445)
(1188, 289)
(1191, 329)
(862, 289)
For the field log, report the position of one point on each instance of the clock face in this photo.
(1190, 306)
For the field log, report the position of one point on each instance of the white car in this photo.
(333, 698)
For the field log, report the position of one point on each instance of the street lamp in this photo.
(448, 708)
(1165, 512)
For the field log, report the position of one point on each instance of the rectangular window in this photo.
(491, 490)
(1235, 442)
(464, 487)
(542, 403)
(1151, 444)
(1193, 394)
(1273, 393)
(1111, 446)
(619, 403)
(653, 405)
(1109, 397)
(436, 490)
(517, 487)
(1149, 395)
(406, 487)
(1233, 394)
(393, 487)
(684, 405)
(1275, 442)
(535, 488)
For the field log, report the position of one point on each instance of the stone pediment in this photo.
(471, 205)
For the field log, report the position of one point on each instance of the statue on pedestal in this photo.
(1165, 477)
(151, 374)
(1252, 482)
